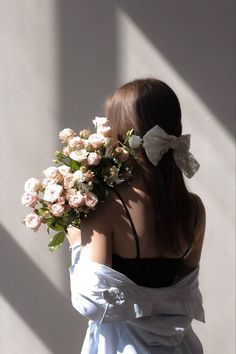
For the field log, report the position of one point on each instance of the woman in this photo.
(134, 271)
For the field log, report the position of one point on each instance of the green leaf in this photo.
(56, 241)
(40, 211)
(74, 165)
(54, 225)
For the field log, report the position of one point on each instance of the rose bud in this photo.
(121, 153)
(85, 133)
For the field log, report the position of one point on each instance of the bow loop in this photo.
(157, 142)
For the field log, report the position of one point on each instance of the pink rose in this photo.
(61, 200)
(76, 143)
(66, 134)
(32, 221)
(96, 140)
(52, 193)
(90, 200)
(64, 170)
(70, 193)
(104, 130)
(93, 159)
(68, 181)
(29, 199)
(48, 181)
(57, 209)
(32, 185)
(121, 153)
(76, 200)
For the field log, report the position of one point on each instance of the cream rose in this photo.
(32, 221)
(29, 199)
(93, 159)
(64, 170)
(52, 193)
(90, 200)
(32, 185)
(76, 143)
(99, 121)
(96, 140)
(57, 209)
(66, 134)
(135, 141)
(51, 172)
(79, 155)
(68, 181)
(79, 176)
(76, 200)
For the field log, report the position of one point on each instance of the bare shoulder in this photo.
(200, 205)
(101, 219)
(96, 234)
(201, 219)
(193, 258)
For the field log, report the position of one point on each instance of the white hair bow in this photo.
(157, 142)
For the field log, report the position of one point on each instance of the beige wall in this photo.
(58, 61)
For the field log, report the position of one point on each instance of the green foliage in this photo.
(74, 165)
(55, 225)
(56, 241)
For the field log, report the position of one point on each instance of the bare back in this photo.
(108, 230)
(140, 208)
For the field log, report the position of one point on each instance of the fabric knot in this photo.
(114, 296)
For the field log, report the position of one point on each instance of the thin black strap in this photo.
(131, 222)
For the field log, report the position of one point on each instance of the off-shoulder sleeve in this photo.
(103, 295)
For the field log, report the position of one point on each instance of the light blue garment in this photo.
(131, 319)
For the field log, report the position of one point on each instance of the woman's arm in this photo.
(193, 259)
(95, 235)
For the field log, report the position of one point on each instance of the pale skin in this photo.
(107, 230)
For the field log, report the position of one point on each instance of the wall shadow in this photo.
(31, 294)
(86, 75)
(198, 39)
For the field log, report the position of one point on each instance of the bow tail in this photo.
(186, 162)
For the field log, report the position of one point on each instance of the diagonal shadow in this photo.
(87, 65)
(48, 313)
(198, 39)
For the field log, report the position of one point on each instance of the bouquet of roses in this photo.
(86, 168)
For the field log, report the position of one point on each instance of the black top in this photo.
(149, 272)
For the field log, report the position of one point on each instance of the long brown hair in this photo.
(140, 105)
